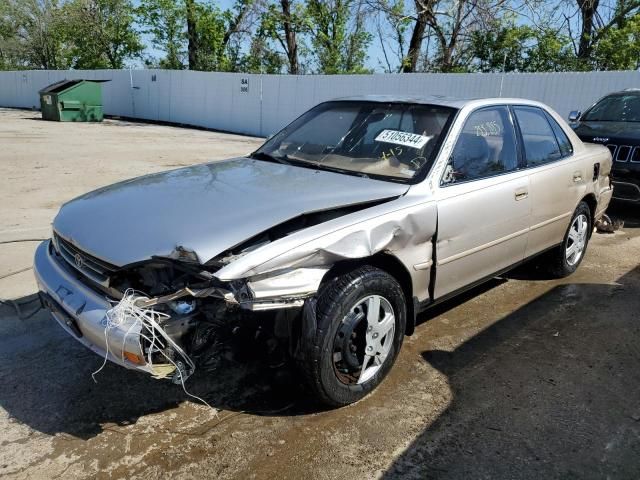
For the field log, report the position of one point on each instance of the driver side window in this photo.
(486, 147)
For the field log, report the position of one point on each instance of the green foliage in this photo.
(551, 52)
(521, 48)
(286, 31)
(211, 26)
(337, 47)
(165, 22)
(321, 36)
(502, 47)
(261, 58)
(31, 34)
(100, 33)
(619, 47)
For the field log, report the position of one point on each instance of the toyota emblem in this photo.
(78, 260)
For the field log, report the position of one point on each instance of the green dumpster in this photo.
(72, 101)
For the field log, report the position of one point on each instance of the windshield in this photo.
(615, 108)
(388, 140)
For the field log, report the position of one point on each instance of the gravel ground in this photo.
(523, 377)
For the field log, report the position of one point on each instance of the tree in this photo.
(509, 47)
(207, 36)
(448, 23)
(207, 50)
(31, 34)
(337, 32)
(285, 24)
(619, 47)
(100, 33)
(164, 21)
(550, 52)
(192, 33)
(392, 41)
(501, 48)
(9, 48)
(261, 58)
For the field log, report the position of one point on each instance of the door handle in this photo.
(577, 177)
(521, 194)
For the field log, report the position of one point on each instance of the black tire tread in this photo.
(309, 360)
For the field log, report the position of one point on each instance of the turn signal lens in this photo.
(133, 358)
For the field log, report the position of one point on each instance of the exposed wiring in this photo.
(15, 273)
(126, 314)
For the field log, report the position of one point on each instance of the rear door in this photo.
(557, 179)
(483, 203)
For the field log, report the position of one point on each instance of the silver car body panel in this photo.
(88, 309)
(206, 208)
(403, 228)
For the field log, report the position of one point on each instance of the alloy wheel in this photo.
(363, 340)
(577, 239)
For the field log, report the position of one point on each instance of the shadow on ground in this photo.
(550, 391)
(47, 383)
(626, 211)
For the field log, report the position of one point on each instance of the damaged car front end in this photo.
(156, 272)
(193, 302)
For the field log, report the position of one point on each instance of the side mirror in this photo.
(575, 115)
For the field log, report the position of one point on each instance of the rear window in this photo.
(540, 144)
(566, 148)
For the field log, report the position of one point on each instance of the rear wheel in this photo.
(566, 258)
(360, 318)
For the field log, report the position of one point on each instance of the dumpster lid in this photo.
(65, 84)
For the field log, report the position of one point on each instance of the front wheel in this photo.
(360, 319)
(565, 259)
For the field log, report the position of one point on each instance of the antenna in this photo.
(504, 65)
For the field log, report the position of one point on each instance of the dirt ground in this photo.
(524, 377)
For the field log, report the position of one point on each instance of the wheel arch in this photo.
(390, 264)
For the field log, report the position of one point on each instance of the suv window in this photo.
(486, 146)
(565, 145)
(540, 144)
(620, 107)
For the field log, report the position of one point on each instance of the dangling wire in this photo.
(126, 311)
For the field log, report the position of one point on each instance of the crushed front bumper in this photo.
(81, 311)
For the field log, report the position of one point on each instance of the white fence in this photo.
(262, 104)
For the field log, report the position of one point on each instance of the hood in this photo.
(207, 208)
(613, 131)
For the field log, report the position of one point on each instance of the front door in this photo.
(483, 203)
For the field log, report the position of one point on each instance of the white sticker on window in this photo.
(405, 139)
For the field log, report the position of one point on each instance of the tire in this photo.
(331, 352)
(559, 263)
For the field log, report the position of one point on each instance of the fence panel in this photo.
(262, 104)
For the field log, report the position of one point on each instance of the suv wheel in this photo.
(360, 318)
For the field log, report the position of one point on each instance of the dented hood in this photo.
(205, 208)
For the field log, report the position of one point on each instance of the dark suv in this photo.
(614, 121)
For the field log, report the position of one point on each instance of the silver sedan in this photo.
(332, 236)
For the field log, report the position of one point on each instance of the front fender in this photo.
(402, 228)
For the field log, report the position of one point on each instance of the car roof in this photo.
(627, 91)
(440, 100)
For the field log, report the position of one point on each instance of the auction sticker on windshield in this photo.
(405, 139)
